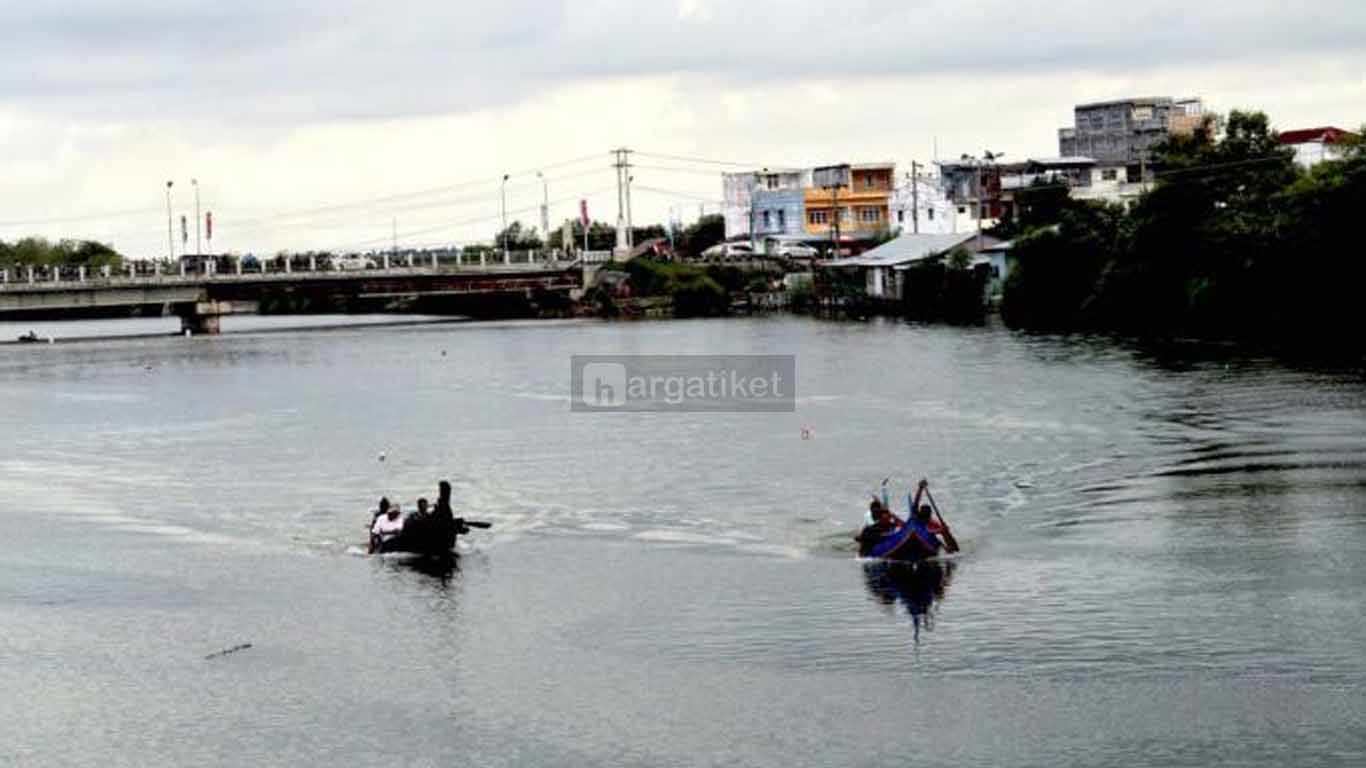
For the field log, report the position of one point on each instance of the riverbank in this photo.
(1234, 241)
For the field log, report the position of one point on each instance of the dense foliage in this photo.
(693, 290)
(1233, 240)
(37, 251)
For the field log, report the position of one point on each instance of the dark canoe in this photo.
(429, 535)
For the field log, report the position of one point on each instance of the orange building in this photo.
(863, 205)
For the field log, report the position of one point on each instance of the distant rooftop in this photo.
(1326, 134)
(1136, 100)
(904, 249)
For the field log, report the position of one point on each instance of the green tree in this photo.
(959, 258)
(601, 236)
(701, 235)
(39, 251)
(518, 237)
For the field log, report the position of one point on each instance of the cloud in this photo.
(292, 61)
(293, 105)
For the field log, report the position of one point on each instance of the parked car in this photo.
(729, 252)
(347, 263)
(797, 251)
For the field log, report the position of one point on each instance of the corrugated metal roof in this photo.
(1327, 134)
(904, 250)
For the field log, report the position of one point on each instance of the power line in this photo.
(676, 193)
(456, 202)
(703, 160)
(679, 169)
(304, 212)
(83, 217)
(465, 222)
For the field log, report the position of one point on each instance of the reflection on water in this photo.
(918, 586)
(442, 568)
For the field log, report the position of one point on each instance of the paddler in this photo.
(386, 527)
(884, 523)
(926, 539)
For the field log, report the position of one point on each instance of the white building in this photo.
(1315, 145)
(738, 192)
(924, 198)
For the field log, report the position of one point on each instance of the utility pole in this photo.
(623, 166)
(753, 191)
(198, 251)
(915, 197)
(630, 223)
(545, 205)
(170, 232)
(835, 219)
(503, 208)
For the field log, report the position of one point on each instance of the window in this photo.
(782, 219)
(818, 217)
(1109, 174)
(901, 216)
(929, 214)
(846, 216)
(962, 209)
(768, 223)
(771, 182)
(869, 215)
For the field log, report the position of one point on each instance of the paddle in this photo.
(950, 543)
(474, 523)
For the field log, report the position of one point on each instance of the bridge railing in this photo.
(234, 268)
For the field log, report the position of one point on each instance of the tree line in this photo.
(1234, 240)
(688, 241)
(41, 252)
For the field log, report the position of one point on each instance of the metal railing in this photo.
(283, 268)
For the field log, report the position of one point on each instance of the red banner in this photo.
(208, 224)
(583, 213)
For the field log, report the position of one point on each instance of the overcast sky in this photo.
(313, 124)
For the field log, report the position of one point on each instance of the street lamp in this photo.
(505, 215)
(170, 233)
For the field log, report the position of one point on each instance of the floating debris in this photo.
(227, 651)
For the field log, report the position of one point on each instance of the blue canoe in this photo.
(897, 545)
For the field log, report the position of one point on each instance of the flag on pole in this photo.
(583, 214)
(184, 230)
(208, 224)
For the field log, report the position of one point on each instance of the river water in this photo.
(1164, 553)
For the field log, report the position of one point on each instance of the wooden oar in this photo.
(950, 543)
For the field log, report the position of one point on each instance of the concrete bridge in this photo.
(201, 298)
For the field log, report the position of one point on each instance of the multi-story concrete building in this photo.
(863, 207)
(763, 201)
(1124, 132)
(773, 207)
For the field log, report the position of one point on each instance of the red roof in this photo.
(1327, 134)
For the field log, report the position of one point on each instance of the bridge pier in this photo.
(204, 318)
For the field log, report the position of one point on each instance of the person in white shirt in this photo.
(386, 527)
